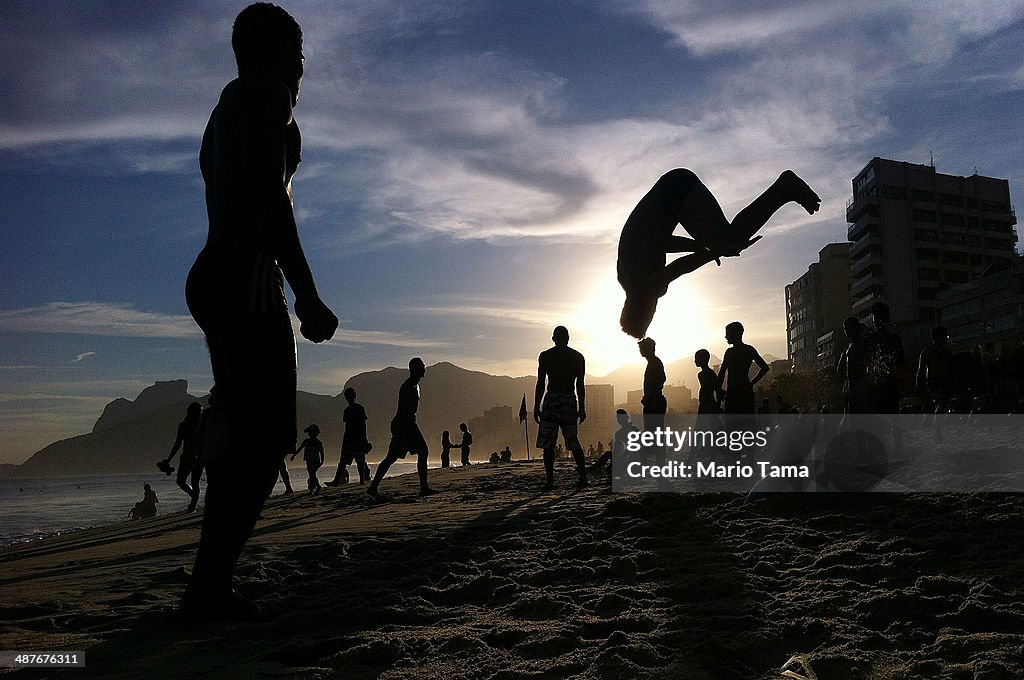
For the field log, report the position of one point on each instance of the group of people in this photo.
(465, 446)
(250, 151)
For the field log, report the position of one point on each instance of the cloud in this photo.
(97, 318)
(83, 356)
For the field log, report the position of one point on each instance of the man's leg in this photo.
(702, 216)
(382, 469)
(282, 470)
(197, 474)
(549, 467)
(421, 471)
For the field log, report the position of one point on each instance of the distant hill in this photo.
(131, 435)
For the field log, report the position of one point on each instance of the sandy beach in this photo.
(494, 579)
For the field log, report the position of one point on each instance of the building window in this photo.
(925, 196)
(920, 215)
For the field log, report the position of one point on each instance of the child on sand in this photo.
(314, 456)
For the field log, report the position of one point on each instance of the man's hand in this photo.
(733, 248)
(536, 415)
(316, 320)
(582, 415)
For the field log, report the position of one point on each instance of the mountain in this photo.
(131, 435)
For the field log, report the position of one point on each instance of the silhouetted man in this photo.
(354, 444)
(560, 371)
(190, 469)
(405, 433)
(654, 403)
(934, 367)
(466, 445)
(886, 358)
(853, 368)
(680, 198)
(739, 395)
(235, 291)
(708, 396)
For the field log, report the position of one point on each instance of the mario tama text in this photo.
(714, 470)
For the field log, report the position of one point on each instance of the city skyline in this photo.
(466, 171)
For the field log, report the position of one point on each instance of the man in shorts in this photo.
(405, 433)
(680, 198)
(560, 371)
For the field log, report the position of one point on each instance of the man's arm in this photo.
(581, 389)
(177, 445)
(265, 143)
(762, 367)
(538, 392)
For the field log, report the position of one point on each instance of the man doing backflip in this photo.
(560, 371)
(680, 198)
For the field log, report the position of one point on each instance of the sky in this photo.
(466, 170)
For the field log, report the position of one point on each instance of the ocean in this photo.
(31, 509)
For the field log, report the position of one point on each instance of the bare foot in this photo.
(800, 191)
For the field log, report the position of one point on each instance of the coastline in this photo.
(493, 578)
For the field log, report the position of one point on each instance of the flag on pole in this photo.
(526, 425)
(522, 410)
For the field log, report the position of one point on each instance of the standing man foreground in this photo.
(235, 292)
(560, 371)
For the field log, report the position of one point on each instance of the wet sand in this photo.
(493, 578)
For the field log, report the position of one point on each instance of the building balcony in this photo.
(868, 283)
(865, 224)
(872, 259)
(857, 204)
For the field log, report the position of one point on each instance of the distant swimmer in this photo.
(680, 198)
(560, 401)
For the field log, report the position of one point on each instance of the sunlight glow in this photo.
(678, 326)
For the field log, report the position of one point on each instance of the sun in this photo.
(678, 327)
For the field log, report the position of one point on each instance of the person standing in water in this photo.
(235, 292)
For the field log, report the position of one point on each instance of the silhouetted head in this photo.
(637, 314)
(560, 336)
(702, 357)
(417, 369)
(462, 426)
(313, 430)
(646, 347)
(146, 486)
(349, 394)
(940, 335)
(880, 314)
(268, 42)
(852, 327)
(734, 333)
(194, 410)
(622, 416)
(446, 435)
